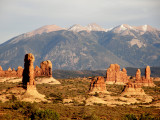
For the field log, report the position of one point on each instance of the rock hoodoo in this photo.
(115, 76)
(97, 85)
(28, 73)
(31, 93)
(148, 73)
(145, 80)
(138, 75)
(46, 67)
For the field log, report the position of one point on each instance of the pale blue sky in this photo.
(21, 16)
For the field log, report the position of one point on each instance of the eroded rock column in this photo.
(138, 75)
(147, 72)
(28, 73)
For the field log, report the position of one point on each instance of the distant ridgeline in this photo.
(155, 72)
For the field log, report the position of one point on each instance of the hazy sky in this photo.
(20, 16)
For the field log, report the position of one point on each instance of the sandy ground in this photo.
(11, 79)
(50, 80)
(21, 94)
(118, 100)
(39, 80)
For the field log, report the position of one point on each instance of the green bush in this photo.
(31, 110)
(58, 98)
(147, 116)
(25, 108)
(45, 115)
(130, 117)
(94, 117)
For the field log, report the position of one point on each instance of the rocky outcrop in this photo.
(45, 70)
(132, 89)
(145, 80)
(28, 73)
(19, 71)
(46, 67)
(1, 69)
(28, 81)
(11, 72)
(138, 75)
(9, 69)
(97, 85)
(147, 73)
(115, 76)
(37, 71)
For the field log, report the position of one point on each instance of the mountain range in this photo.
(88, 47)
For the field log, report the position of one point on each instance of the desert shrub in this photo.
(25, 108)
(130, 117)
(45, 115)
(57, 97)
(147, 116)
(75, 102)
(92, 117)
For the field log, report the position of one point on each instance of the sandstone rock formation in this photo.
(28, 73)
(46, 67)
(13, 69)
(11, 72)
(19, 71)
(9, 69)
(37, 71)
(145, 80)
(97, 85)
(132, 89)
(135, 94)
(1, 69)
(45, 70)
(115, 76)
(148, 73)
(29, 79)
(138, 75)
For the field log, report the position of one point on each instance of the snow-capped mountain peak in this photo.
(88, 28)
(141, 29)
(121, 28)
(144, 27)
(77, 28)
